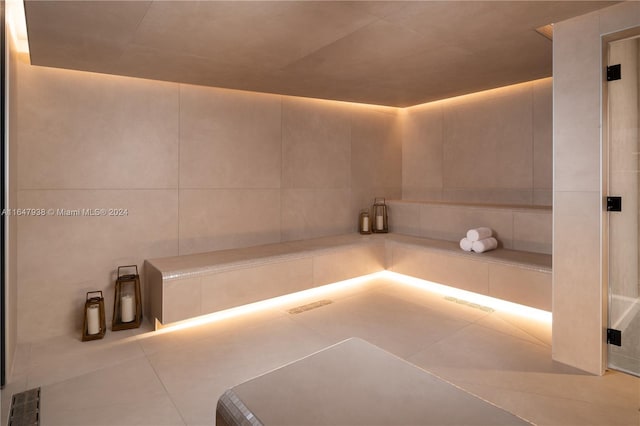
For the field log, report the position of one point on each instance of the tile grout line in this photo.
(43, 384)
(532, 393)
(179, 147)
(533, 141)
(409, 356)
(540, 342)
(543, 343)
(184, 422)
(297, 320)
(280, 189)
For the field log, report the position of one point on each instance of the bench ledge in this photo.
(523, 259)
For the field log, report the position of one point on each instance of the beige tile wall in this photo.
(229, 139)
(197, 169)
(517, 228)
(204, 169)
(316, 144)
(579, 290)
(488, 147)
(61, 258)
(215, 219)
(92, 131)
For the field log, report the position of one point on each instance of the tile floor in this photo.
(139, 377)
(626, 356)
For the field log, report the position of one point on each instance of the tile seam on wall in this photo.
(232, 188)
(99, 189)
(513, 229)
(280, 237)
(533, 142)
(179, 171)
(442, 139)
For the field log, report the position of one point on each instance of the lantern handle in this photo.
(375, 200)
(94, 292)
(127, 266)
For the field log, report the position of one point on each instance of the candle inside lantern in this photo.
(379, 223)
(126, 308)
(93, 319)
(365, 224)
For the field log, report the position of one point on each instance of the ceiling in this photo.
(386, 52)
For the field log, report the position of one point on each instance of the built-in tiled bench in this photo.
(188, 286)
(513, 275)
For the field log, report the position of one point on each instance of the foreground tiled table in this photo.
(354, 383)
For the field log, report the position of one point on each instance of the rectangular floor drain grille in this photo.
(309, 306)
(470, 304)
(25, 408)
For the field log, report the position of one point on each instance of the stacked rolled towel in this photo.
(465, 244)
(477, 234)
(485, 244)
(479, 240)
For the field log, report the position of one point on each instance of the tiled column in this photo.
(579, 302)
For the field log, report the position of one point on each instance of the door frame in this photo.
(3, 227)
(604, 190)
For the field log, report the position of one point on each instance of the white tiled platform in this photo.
(358, 384)
(138, 377)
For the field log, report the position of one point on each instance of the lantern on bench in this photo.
(94, 325)
(364, 222)
(379, 216)
(127, 305)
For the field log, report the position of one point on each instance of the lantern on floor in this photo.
(94, 325)
(364, 222)
(379, 216)
(127, 305)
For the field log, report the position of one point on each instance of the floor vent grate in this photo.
(25, 408)
(309, 306)
(470, 304)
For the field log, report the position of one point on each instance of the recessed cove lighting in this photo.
(474, 300)
(546, 31)
(16, 21)
(479, 301)
(281, 301)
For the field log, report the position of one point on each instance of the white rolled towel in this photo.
(485, 244)
(477, 234)
(465, 244)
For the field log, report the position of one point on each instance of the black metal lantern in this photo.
(127, 306)
(94, 326)
(379, 216)
(364, 222)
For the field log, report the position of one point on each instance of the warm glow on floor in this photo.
(326, 290)
(491, 302)
(317, 292)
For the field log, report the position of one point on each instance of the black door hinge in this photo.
(614, 72)
(614, 337)
(614, 204)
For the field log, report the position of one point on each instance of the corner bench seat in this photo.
(517, 276)
(183, 287)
